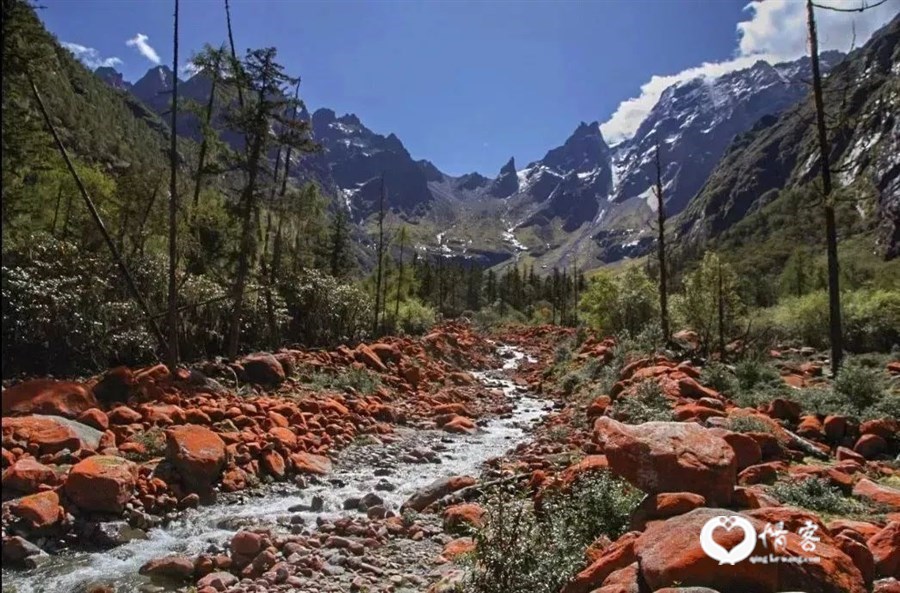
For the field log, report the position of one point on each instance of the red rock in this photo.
(234, 479)
(746, 450)
(885, 428)
(365, 355)
(617, 556)
(859, 554)
(101, 483)
(598, 407)
(94, 418)
(886, 586)
(169, 567)
(50, 434)
(197, 453)
(810, 428)
(835, 428)
(39, 511)
(670, 552)
(670, 457)
(624, 580)
(845, 454)
(885, 548)
(27, 476)
(686, 412)
(870, 446)
(246, 543)
(689, 387)
(463, 515)
(273, 463)
(458, 547)
(588, 465)
(47, 396)
(311, 464)
(116, 385)
(863, 529)
(217, 581)
(284, 436)
(762, 473)
(460, 425)
(263, 368)
(662, 506)
(386, 353)
(878, 493)
(124, 415)
(436, 491)
(784, 409)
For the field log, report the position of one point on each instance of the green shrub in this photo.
(64, 310)
(522, 550)
(871, 319)
(625, 302)
(752, 372)
(719, 377)
(817, 495)
(861, 387)
(359, 380)
(325, 311)
(709, 290)
(648, 404)
(746, 423)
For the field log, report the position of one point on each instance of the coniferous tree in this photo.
(263, 121)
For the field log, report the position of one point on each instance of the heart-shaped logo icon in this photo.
(716, 551)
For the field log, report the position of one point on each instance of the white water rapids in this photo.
(214, 525)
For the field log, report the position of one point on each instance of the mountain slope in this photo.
(863, 94)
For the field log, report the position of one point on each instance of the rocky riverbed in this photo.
(378, 472)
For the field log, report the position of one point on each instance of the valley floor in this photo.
(374, 469)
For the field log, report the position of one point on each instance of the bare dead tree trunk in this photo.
(204, 144)
(56, 211)
(65, 230)
(721, 306)
(399, 280)
(234, 59)
(172, 359)
(380, 255)
(129, 280)
(834, 293)
(661, 251)
(139, 248)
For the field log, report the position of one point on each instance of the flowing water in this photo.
(354, 476)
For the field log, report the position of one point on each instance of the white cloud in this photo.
(188, 70)
(775, 31)
(90, 57)
(139, 42)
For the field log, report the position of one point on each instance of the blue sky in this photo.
(466, 84)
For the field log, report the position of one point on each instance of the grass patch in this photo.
(818, 495)
(360, 380)
(648, 404)
(523, 550)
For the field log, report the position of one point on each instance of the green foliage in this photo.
(719, 377)
(708, 291)
(523, 550)
(359, 380)
(861, 387)
(817, 495)
(614, 304)
(154, 442)
(323, 310)
(747, 423)
(753, 372)
(648, 404)
(64, 310)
